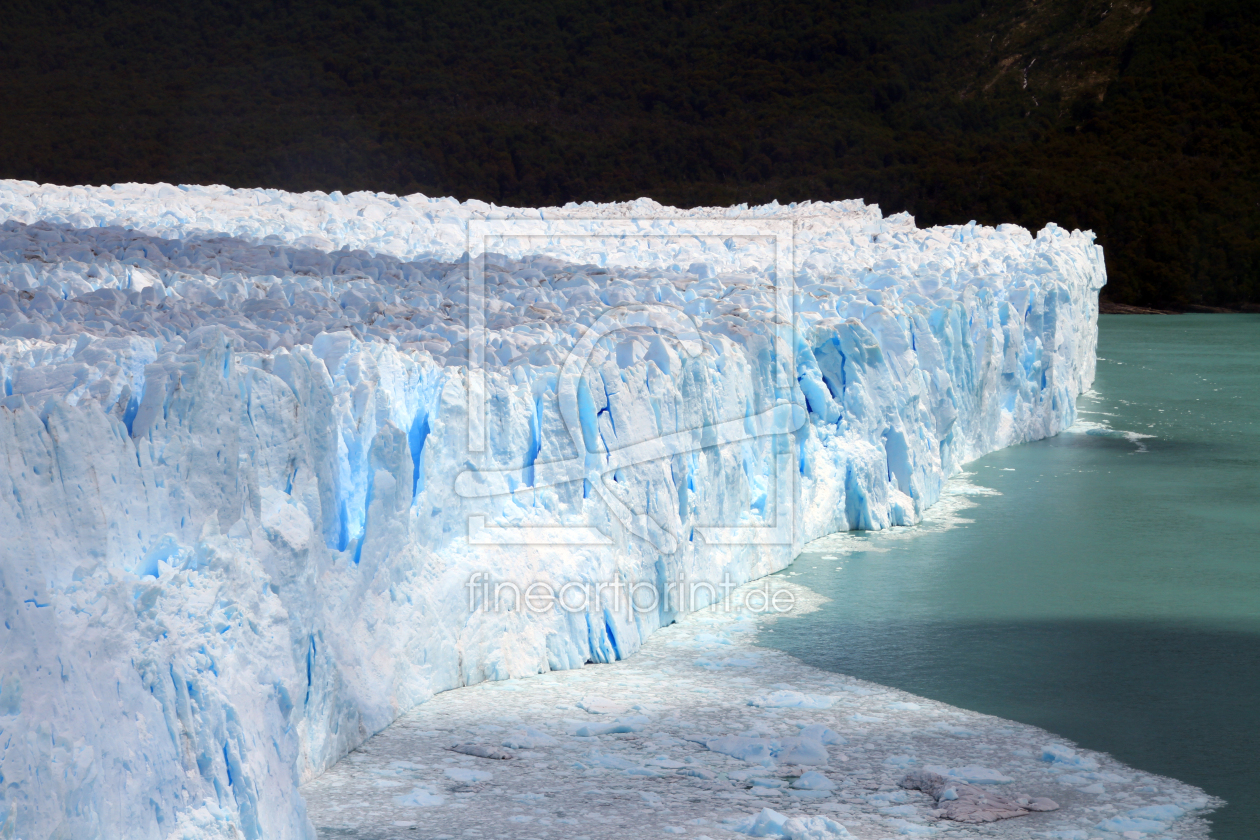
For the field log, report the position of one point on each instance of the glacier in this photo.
(256, 445)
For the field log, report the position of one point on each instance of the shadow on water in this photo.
(1151, 695)
(1102, 584)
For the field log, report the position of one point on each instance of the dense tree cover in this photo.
(1139, 122)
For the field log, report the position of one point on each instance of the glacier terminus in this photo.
(256, 445)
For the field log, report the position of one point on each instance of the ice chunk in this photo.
(770, 823)
(792, 700)
(468, 776)
(1069, 779)
(822, 734)
(665, 762)
(528, 738)
(420, 798)
(631, 723)
(752, 750)
(1123, 825)
(482, 751)
(767, 751)
(972, 773)
(801, 750)
(1163, 813)
(912, 829)
(602, 706)
(813, 780)
(747, 660)
(1067, 757)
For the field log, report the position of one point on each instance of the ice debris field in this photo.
(256, 444)
(703, 734)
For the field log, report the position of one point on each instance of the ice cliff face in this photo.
(244, 493)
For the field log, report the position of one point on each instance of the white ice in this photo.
(240, 503)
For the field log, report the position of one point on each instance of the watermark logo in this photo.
(679, 595)
(597, 465)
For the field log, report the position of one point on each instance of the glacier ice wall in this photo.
(234, 424)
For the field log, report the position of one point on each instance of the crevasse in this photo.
(241, 511)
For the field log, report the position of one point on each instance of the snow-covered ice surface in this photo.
(241, 506)
(688, 695)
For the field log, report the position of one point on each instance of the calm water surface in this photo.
(1110, 593)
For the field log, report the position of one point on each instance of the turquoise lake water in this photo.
(1110, 593)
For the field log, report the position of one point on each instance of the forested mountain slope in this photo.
(1133, 118)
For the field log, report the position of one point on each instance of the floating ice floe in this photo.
(971, 774)
(1064, 756)
(770, 823)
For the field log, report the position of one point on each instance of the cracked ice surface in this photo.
(234, 424)
(692, 690)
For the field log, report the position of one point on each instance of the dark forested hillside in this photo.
(1137, 120)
